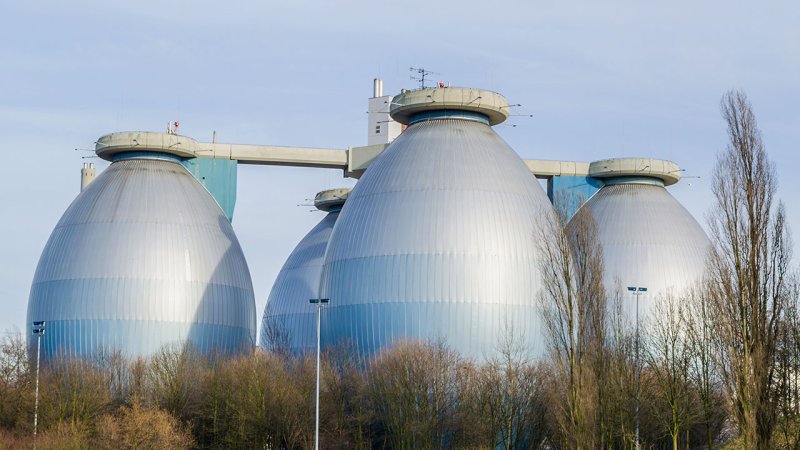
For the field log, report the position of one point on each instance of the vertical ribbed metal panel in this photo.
(649, 240)
(437, 241)
(288, 314)
(142, 258)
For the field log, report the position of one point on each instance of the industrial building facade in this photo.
(438, 241)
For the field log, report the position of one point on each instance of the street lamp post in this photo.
(637, 291)
(38, 330)
(319, 302)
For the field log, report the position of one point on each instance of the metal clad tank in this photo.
(437, 241)
(649, 239)
(289, 319)
(142, 258)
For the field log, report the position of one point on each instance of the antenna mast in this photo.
(421, 73)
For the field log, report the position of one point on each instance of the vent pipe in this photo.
(377, 87)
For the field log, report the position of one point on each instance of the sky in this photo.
(600, 80)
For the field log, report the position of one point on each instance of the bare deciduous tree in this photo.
(748, 272)
(617, 387)
(73, 394)
(788, 365)
(14, 380)
(414, 391)
(573, 305)
(704, 373)
(174, 378)
(344, 405)
(510, 397)
(668, 355)
(275, 334)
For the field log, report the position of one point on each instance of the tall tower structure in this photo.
(381, 129)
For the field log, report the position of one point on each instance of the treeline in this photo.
(410, 396)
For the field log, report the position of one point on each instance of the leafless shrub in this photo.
(345, 408)
(414, 392)
(73, 393)
(135, 427)
(259, 400)
(174, 378)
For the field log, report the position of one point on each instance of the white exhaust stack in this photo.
(87, 175)
(377, 87)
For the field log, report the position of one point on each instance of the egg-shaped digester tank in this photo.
(649, 239)
(144, 257)
(290, 321)
(438, 240)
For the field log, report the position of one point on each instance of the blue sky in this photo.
(601, 79)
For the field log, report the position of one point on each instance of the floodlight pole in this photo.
(637, 291)
(319, 302)
(38, 330)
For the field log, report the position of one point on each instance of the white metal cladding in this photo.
(142, 258)
(288, 313)
(649, 240)
(437, 241)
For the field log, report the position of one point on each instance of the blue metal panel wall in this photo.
(219, 177)
(571, 192)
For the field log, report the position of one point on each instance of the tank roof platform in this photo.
(664, 170)
(331, 198)
(491, 104)
(145, 141)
